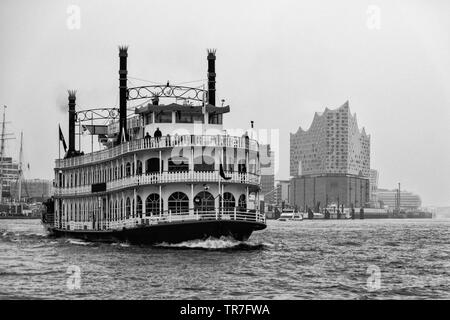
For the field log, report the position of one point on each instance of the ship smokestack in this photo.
(123, 54)
(212, 76)
(72, 116)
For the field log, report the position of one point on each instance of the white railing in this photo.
(168, 217)
(163, 142)
(164, 177)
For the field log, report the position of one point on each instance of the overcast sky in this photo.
(278, 62)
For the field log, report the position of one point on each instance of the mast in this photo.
(20, 169)
(1, 155)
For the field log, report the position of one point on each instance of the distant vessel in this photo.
(168, 173)
(290, 215)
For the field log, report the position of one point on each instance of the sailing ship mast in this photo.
(20, 167)
(19, 179)
(1, 155)
(3, 138)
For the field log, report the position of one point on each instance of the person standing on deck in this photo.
(147, 138)
(157, 134)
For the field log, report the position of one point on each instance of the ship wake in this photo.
(224, 243)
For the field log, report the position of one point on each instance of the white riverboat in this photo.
(167, 173)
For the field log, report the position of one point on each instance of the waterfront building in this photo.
(330, 162)
(282, 193)
(408, 200)
(10, 175)
(267, 159)
(373, 182)
(33, 190)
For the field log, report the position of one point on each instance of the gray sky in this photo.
(277, 63)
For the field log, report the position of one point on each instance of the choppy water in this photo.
(298, 260)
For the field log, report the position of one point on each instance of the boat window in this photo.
(204, 163)
(138, 207)
(121, 209)
(128, 169)
(152, 165)
(204, 201)
(128, 208)
(228, 202)
(152, 204)
(178, 203)
(242, 168)
(187, 117)
(228, 159)
(242, 203)
(149, 118)
(163, 117)
(215, 118)
(177, 164)
(116, 211)
(139, 167)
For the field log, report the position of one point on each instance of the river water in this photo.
(334, 259)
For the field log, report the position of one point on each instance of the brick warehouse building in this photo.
(330, 162)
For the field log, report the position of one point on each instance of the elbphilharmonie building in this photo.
(330, 162)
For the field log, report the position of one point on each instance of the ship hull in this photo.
(166, 233)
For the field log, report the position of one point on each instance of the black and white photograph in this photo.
(224, 155)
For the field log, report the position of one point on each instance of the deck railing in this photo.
(163, 142)
(164, 177)
(168, 217)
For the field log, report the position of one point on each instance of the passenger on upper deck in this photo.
(147, 139)
(157, 134)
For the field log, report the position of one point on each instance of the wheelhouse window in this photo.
(178, 203)
(215, 118)
(177, 164)
(188, 117)
(163, 117)
(152, 204)
(148, 118)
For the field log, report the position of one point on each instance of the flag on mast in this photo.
(221, 171)
(61, 138)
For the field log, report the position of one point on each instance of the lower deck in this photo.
(168, 232)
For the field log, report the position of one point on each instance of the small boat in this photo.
(290, 215)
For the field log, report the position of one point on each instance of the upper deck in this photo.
(164, 142)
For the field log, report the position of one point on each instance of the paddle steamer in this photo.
(167, 172)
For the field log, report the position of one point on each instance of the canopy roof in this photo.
(179, 107)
